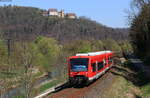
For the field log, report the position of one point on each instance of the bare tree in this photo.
(27, 78)
(140, 27)
(140, 3)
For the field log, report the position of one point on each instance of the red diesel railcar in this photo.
(86, 67)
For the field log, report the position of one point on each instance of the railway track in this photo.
(94, 90)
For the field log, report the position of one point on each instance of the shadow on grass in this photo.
(136, 75)
(136, 96)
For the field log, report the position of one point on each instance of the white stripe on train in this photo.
(99, 74)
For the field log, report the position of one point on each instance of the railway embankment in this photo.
(143, 75)
(124, 80)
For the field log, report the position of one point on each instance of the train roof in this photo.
(93, 53)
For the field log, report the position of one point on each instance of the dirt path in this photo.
(98, 89)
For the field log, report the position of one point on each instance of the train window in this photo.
(104, 62)
(79, 64)
(100, 65)
(110, 60)
(94, 67)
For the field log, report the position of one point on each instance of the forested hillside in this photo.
(25, 23)
(140, 28)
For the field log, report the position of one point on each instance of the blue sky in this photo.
(108, 12)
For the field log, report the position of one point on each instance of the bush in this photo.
(111, 44)
(97, 45)
(79, 46)
(3, 53)
(48, 52)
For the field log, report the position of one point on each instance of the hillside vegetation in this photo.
(28, 23)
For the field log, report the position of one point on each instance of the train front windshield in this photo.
(79, 64)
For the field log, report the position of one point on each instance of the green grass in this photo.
(119, 88)
(145, 90)
(38, 74)
(10, 74)
(48, 85)
(142, 79)
(19, 96)
(7, 75)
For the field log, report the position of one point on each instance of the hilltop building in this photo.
(45, 13)
(71, 15)
(53, 12)
(60, 14)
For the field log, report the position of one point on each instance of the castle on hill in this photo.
(60, 14)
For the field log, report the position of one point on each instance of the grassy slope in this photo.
(118, 89)
(123, 88)
(145, 90)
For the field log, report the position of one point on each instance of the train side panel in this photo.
(104, 66)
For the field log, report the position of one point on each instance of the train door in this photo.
(104, 63)
(110, 60)
(96, 67)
